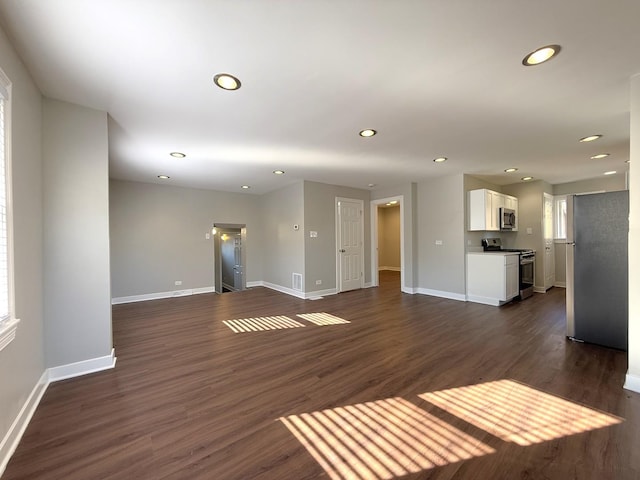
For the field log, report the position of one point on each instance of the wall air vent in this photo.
(296, 281)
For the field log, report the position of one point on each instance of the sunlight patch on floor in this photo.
(518, 413)
(381, 440)
(260, 324)
(322, 319)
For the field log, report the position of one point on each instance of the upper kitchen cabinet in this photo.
(484, 209)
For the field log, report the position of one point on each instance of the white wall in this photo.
(158, 236)
(76, 229)
(633, 375)
(441, 217)
(22, 363)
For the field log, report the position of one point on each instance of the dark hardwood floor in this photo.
(413, 387)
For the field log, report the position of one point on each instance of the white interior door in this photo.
(350, 244)
(549, 252)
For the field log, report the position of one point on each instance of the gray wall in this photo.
(22, 362)
(530, 203)
(320, 216)
(609, 183)
(441, 216)
(76, 229)
(283, 247)
(158, 236)
(409, 193)
(389, 237)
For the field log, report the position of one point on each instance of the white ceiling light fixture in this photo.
(371, 185)
(510, 170)
(541, 55)
(526, 179)
(245, 187)
(610, 172)
(393, 202)
(590, 138)
(226, 81)
(177, 154)
(368, 132)
(599, 156)
(279, 172)
(163, 177)
(440, 159)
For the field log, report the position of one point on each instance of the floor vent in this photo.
(296, 281)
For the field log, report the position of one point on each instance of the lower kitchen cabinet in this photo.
(492, 277)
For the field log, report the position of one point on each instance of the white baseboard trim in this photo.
(157, 295)
(255, 284)
(410, 290)
(82, 368)
(281, 289)
(320, 293)
(391, 269)
(438, 293)
(494, 302)
(539, 290)
(560, 284)
(14, 435)
(632, 382)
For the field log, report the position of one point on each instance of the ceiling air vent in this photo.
(296, 281)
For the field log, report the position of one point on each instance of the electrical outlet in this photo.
(178, 282)
(313, 234)
(318, 282)
(207, 236)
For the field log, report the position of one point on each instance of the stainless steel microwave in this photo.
(507, 219)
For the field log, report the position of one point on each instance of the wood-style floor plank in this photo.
(191, 399)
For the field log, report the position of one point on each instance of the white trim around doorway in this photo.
(375, 279)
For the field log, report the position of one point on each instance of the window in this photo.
(560, 207)
(8, 323)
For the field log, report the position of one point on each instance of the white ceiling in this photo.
(434, 77)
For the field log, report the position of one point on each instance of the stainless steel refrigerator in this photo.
(597, 268)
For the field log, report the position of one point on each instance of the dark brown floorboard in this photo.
(190, 399)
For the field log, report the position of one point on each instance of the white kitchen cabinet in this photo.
(484, 209)
(492, 277)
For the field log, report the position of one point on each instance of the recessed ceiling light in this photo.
(388, 204)
(627, 161)
(393, 202)
(511, 170)
(177, 154)
(541, 55)
(246, 187)
(590, 138)
(526, 179)
(610, 172)
(279, 172)
(227, 81)
(367, 132)
(164, 177)
(440, 159)
(600, 155)
(371, 185)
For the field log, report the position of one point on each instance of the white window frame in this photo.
(558, 200)
(8, 321)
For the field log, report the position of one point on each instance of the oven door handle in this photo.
(526, 261)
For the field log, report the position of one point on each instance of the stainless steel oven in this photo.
(527, 272)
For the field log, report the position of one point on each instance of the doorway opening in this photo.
(229, 256)
(387, 235)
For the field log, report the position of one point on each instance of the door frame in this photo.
(217, 261)
(338, 230)
(375, 278)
